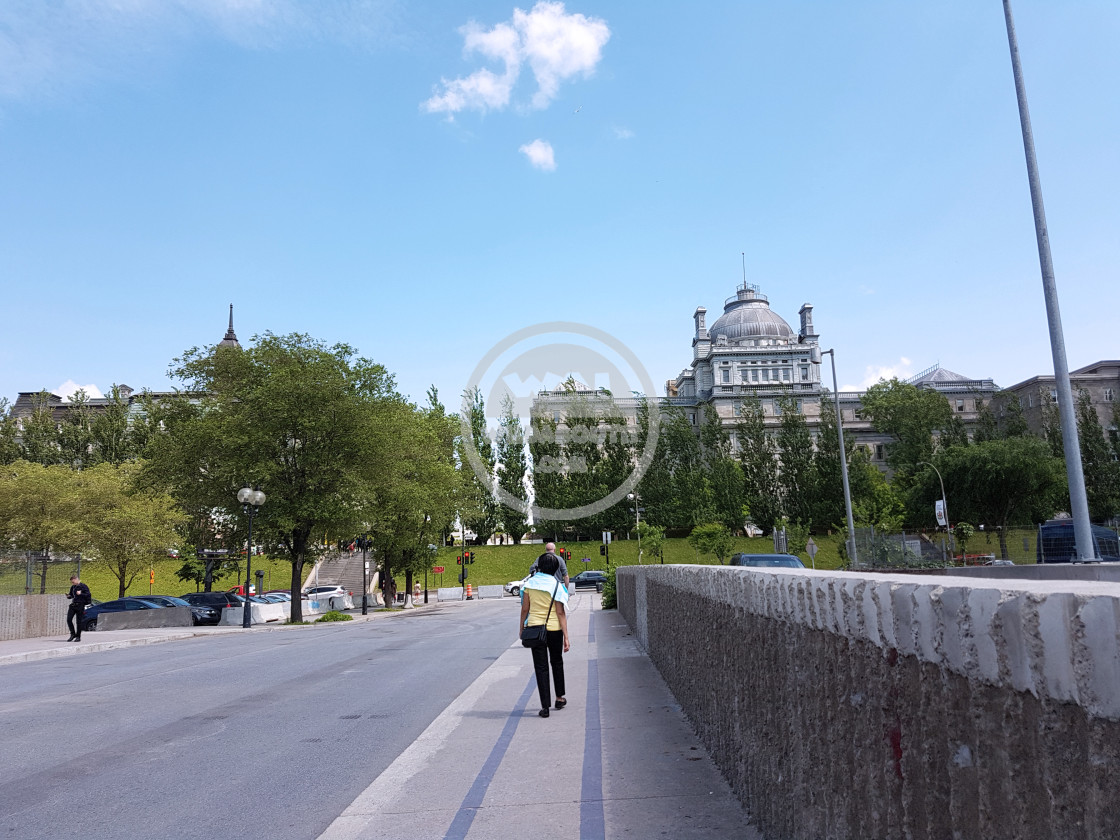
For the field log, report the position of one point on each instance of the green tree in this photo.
(314, 426)
(1001, 483)
(691, 501)
(828, 482)
(9, 445)
(911, 415)
(112, 438)
(795, 459)
(512, 469)
(121, 526)
(1102, 473)
(725, 475)
(712, 538)
(75, 438)
(481, 509)
(39, 510)
(875, 502)
(653, 541)
(39, 438)
(760, 466)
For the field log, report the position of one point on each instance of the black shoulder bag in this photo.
(536, 635)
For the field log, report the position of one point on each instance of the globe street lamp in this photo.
(251, 500)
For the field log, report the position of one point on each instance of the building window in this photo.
(1054, 394)
(754, 376)
(879, 451)
(738, 409)
(960, 405)
(785, 374)
(1030, 401)
(777, 407)
(743, 375)
(726, 375)
(804, 373)
(692, 419)
(1108, 395)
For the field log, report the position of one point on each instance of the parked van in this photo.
(1056, 543)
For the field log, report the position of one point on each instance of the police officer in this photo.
(80, 597)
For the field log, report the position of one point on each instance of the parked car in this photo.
(200, 614)
(514, 586)
(333, 594)
(282, 594)
(275, 598)
(589, 579)
(218, 600)
(1056, 543)
(781, 561)
(119, 605)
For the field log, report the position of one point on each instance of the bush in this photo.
(334, 615)
(610, 597)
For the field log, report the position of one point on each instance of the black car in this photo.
(781, 561)
(218, 600)
(200, 613)
(120, 605)
(589, 580)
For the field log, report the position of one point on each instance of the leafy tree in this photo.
(795, 458)
(1102, 473)
(122, 527)
(656, 485)
(75, 439)
(725, 475)
(39, 510)
(40, 435)
(912, 415)
(314, 426)
(9, 446)
(512, 469)
(112, 438)
(875, 502)
(712, 538)
(828, 482)
(1051, 424)
(1001, 483)
(481, 511)
(963, 532)
(653, 541)
(691, 501)
(760, 466)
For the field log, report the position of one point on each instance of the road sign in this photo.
(606, 538)
(437, 570)
(586, 559)
(811, 547)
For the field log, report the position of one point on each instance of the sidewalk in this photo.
(619, 761)
(51, 647)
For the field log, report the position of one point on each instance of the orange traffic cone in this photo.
(470, 593)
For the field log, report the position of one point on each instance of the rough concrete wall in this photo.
(31, 616)
(878, 706)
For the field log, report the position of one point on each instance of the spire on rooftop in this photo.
(231, 337)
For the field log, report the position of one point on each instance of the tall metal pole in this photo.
(247, 614)
(1079, 501)
(944, 502)
(843, 463)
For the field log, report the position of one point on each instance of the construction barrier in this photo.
(449, 593)
(470, 593)
(494, 591)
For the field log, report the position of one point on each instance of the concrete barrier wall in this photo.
(31, 616)
(449, 593)
(494, 591)
(886, 706)
(131, 619)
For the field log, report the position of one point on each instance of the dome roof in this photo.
(748, 315)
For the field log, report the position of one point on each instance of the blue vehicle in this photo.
(1056, 543)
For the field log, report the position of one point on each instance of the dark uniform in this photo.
(80, 597)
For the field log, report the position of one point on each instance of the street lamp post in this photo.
(944, 503)
(365, 574)
(1079, 500)
(843, 461)
(637, 523)
(251, 500)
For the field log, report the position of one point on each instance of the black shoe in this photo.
(561, 703)
(72, 637)
(543, 713)
(77, 638)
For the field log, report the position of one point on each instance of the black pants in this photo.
(541, 656)
(76, 615)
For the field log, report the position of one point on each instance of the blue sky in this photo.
(344, 169)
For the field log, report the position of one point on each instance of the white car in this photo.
(335, 596)
(514, 586)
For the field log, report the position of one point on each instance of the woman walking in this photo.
(544, 601)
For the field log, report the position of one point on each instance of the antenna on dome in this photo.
(744, 253)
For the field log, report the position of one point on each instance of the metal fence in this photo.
(30, 573)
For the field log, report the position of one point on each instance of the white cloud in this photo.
(621, 133)
(540, 154)
(903, 369)
(68, 388)
(556, 46)
(46, 46)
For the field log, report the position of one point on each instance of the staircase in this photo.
(343, 568)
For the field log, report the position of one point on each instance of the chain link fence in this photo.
(32, 573)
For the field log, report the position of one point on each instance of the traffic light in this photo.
(603, 551)
(470, 556)
(459, 559)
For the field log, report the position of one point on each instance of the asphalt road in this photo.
(270, 734)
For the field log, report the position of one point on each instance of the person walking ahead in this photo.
(80, 598)
(544, 599)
